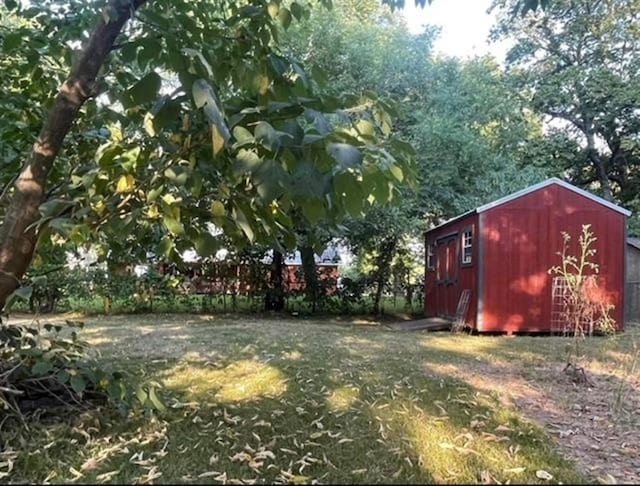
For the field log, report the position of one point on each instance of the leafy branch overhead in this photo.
(201, 120)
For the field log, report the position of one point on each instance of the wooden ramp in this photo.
(428, 324)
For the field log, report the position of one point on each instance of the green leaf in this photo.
(54, 207)
(203, 93)
(397, 172)
(270, 180)
(243, 223)
(164, 113)
(319, 76)
(141, 395)
(62, 377)
(41, 368)
(153, 398)
(313, 210)
(78, 384)
(177, 174)
(348, 190)
(173, 225)
(242, 135)
(145, 90)
(165, 246)
(203, 61)
(11, 41)
(153, 194)
(284, 16)
(206, 245)
(347, 156)
(266, 135)
(246, 161)
(205, 97)
(116, 389)
(366, 129)
(297, 10)
(307, 181)
(319, 121)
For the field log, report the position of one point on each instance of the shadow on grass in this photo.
(290, 403)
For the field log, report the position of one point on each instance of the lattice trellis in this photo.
(563, 307)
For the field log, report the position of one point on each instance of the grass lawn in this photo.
(269, 400)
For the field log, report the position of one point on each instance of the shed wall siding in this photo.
(632, 287)
(521, 240)
(466, 275)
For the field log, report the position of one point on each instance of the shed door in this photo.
(447, 275)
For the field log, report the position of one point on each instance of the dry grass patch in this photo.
(301, 401)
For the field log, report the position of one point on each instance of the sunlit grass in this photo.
(342, 398)
(290, 401)
(240, 381)
(483, 443)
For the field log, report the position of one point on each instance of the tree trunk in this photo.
(311, 282)
(387, 249)
(274, 297)
(408, 297)
(18, 236)
(599, 164)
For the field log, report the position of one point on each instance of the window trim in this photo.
(431, 256)
(463, 246)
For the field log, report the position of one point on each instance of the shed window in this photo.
(431, 256)
(467, 246)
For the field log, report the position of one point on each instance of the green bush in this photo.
(49, 366)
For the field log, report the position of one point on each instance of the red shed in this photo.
(501, 253)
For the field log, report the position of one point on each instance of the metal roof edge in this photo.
(635, 242)
(451, 220)
(548, 182)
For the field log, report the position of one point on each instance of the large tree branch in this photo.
(18, 235)
(596, 160)
(577, 122)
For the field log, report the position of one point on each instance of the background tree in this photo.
(475, 137)
(580, 62)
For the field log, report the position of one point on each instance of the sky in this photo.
(465, 26)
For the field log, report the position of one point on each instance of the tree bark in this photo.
(18, 235)
(311, 283)
(596, 160)
(385, 256)
(274, 297)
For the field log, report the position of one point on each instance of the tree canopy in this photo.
(580, 64)
(199, 119)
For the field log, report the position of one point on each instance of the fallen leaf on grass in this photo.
(542, 474)
(77, 474)
(487, 478)
(107, 476)
(90, 465)
(209, 474)
(608, 479)
(515, 470)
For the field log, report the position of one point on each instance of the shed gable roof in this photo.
(533, 188)
(548, 182)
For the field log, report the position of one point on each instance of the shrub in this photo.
(49, 366)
